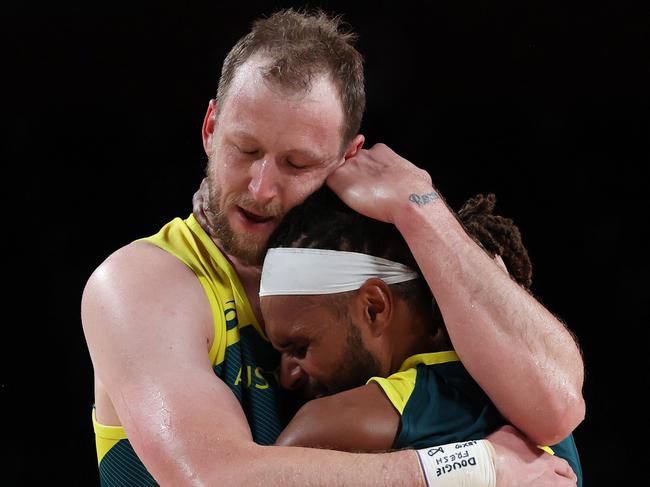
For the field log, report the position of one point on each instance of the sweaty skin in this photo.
(491, 320)
(148, 323)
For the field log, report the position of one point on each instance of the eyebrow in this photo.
(297, 331)
(312, 156)
(242, 133)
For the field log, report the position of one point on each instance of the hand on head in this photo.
(377, 182)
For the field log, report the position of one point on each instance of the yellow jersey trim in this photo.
(400, 385)
(224, 264)
(429, 359)
(106, 437)
(175, 239)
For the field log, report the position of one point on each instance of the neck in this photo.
(411, 337)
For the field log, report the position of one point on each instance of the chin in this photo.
(248, 247)
(248, 253)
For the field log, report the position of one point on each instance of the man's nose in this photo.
(265, 179)
(292, 376)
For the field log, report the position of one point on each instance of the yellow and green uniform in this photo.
(439, 403)
(241, 355)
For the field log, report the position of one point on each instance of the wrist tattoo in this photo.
(423, 199)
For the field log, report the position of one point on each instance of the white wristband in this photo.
(464, 464)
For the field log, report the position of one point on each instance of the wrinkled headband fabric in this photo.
(298, 271)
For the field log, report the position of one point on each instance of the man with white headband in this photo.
(357, 333)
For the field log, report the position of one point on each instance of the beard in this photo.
(246, 247)
(357, 366)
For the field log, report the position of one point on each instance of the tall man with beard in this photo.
(184, 385)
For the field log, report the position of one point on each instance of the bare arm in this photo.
(364, 419)
(520, 354)
(360, 419)
(146, 319)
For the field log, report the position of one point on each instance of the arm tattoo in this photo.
(423, 199)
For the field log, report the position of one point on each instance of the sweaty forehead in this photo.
(310, 120)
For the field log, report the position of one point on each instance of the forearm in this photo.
(306, 467)
(498, 329)
(192, 452)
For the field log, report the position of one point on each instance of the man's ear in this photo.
(375, 300)
(353, 147)
(209, 123)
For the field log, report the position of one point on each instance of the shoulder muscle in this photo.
(146, 318)
(361, 419)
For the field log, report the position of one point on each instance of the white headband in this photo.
(297, 271)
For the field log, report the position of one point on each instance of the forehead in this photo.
(288, 316)
(281, 119)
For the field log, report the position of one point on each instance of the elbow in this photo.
(561, 409)
(569, 418)
(559, 421)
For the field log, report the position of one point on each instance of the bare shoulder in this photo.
(139, 308)
(360, 419)
(136, 263)
(139, 279)
(145, 317)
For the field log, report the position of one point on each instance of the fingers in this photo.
(563, 469)
(563, 482)
(198, 201)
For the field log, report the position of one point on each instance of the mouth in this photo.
(253, 218)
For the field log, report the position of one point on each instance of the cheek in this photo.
(321, 363)
(227, 174)
(302, 187)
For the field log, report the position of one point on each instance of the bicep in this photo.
(145, 317)
(360, 419)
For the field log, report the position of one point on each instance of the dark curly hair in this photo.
(497, 235)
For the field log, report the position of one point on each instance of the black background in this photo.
(545, 105)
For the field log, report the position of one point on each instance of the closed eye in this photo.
(299, 352)
(296, 166)
(246, 150)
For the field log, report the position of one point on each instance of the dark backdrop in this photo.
(547, 106)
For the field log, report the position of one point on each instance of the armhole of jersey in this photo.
(398, 387)
(106, 437)
(238, 290)
(217, 351)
